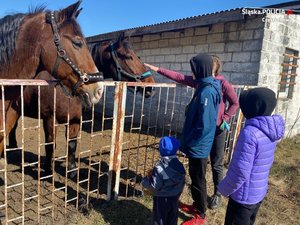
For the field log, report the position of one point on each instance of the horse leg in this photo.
(74, 127)
(49, 147)
(12, 137)
(12, 116)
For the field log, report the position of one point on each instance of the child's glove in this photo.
(224, 126)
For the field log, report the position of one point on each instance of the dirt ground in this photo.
(82, 200)
(281, 205)
(60, 198)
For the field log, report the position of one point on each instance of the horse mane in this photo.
(9, 27)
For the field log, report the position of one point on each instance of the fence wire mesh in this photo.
(117, 143)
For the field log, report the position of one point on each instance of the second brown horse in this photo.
(116, 60)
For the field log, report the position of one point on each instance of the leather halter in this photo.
(120, 71)
(62, 55)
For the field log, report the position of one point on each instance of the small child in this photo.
(166, 181)
(246, 182)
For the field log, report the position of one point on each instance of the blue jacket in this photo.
(246, 181)
(168, 177)
(201, 119)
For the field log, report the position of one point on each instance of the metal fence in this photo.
(117, 144)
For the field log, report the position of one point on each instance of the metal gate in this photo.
(117, 144)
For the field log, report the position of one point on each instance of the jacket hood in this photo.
(202, 65)
(174, 169)
(257, 102)
(272, 126)
(213, 82)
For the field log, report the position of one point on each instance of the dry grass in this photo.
(281, 205)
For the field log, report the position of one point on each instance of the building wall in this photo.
(237, 43)
(281, 32)
(251, 50)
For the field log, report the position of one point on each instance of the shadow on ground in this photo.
(124, 212)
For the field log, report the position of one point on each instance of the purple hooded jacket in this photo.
(246, 181)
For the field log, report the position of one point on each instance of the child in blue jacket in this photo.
(166, 182)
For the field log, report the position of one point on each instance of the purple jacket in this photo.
(228, 93)
(246, 181)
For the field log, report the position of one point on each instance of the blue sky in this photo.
(102, 16)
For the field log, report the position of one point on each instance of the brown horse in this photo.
(116, 60)
(50, 41)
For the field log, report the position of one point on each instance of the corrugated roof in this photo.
(186, 18)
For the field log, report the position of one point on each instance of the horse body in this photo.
(28, 46)
(127, 60)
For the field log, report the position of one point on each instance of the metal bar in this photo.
(67, 157)
(90, 156)
(141, 84)
(46, 208)
(289, 74)
(5, 155)
(291, 56)
(117, 137)
(289, 65)
(32, 197)
(53, 155)
(14, 219)
(31, 164)
(290, 83)
(22, 82)
(14, 185)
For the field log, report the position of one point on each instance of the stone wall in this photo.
(281, 32)
(237, 43)
(251, 50)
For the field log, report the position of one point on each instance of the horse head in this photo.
(65, 55)
(117, 60)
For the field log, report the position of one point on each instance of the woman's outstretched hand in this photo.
(154, 68)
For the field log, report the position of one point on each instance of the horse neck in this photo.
(104, 67)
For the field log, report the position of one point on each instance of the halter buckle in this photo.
(61, 52)
(84, 78)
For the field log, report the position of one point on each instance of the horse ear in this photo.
(121, 37)
(78, 12)
(120, 40)
(70, 11)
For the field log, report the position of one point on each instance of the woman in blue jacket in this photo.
(199, 131)
(199, 128)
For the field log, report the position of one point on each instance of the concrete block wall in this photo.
(281, 32)
(237, 43)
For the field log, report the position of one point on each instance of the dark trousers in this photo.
(241, 214)
(165, 210)
(197, 172)
(217, 158)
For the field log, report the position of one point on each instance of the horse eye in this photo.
(77, 43)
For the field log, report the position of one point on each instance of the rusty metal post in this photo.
(116, 143)
(236, 134)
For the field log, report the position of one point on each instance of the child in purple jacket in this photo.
(246, 182)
